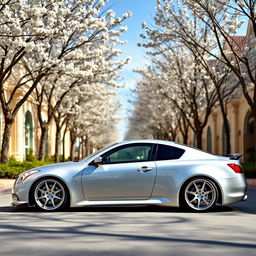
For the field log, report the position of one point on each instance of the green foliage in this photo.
(250, 165)
(47, 158)
(63, 159)
(14, 167)
(30, 156)
(252, 155)
(249, 169)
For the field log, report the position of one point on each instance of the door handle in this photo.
(144, 169)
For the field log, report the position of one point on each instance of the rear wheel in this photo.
(200, 194)
(49, 194)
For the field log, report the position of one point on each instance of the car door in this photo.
(126, 172)
(169, 171)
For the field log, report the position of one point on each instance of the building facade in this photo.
(25, 134)
(242, 131)
(241, 123)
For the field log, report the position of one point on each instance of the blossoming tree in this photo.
(47, 41)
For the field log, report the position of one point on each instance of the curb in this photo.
(251, 183)
(6, 184)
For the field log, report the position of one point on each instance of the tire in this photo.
(199, 194)
(49, 194)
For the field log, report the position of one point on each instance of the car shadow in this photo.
(248, 206)
(147, 208)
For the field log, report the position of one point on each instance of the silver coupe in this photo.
(136, 172)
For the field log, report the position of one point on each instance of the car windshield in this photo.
(90, 157)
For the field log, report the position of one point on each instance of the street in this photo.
(148, 230)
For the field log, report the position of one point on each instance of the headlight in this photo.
(25, 175)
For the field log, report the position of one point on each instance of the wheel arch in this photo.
(216, 183)
(30, 197)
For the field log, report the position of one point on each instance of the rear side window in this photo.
(165, 152)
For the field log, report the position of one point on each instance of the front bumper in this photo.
(16, 201)
(19, 194)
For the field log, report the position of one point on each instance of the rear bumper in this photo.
(235, 190)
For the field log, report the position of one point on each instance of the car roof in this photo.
(146, 141)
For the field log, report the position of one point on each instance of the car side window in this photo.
(165, 152)
(126, 154)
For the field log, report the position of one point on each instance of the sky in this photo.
(142, 11)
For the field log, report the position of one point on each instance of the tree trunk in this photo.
(199, 134)
(6, 140)
(185, 138)
(173, 136)
(87, 148)
(83, 146)
(227, 135)
(183, 127)
(225, 121)
(80, 148)
(41, 154)
(64, 144)
(72, 147)
(57, 144)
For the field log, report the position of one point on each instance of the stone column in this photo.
(17, 142)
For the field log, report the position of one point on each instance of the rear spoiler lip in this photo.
(236, 156)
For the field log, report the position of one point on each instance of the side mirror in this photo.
(97, 160)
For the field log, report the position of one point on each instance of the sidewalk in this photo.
(6, 184)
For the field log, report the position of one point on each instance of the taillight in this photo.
(236, 168)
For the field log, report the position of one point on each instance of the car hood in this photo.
(75, 166)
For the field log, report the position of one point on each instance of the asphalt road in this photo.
(128, 231)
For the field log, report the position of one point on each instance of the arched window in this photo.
(224, 140)
(209, 140)
(28, 133)
(251, 125)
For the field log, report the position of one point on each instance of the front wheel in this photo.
(200, 194)
(49, 194)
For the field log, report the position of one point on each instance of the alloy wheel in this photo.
(200, 194)
(49, 194)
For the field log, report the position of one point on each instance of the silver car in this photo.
(136, 172)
